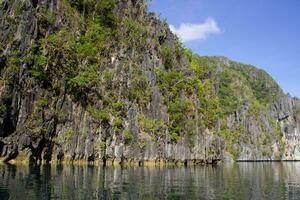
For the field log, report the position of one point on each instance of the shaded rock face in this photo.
(75, 134)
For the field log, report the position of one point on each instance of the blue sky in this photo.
(264, 33)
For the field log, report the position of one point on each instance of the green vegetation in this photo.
(228, 99)
(118, 124)
(139, 89)
(41, 103)
(151, 125)
(232, 138)
(100, 146)
(167, 56)
(46, 18)
(237, 87)
(222, 87)
(118, 106)
(264, 88)
(136, 33)
(58, 63)
(175, 137)
(103, 115)
(128, 136)
(111, 66)
(84, 79)
(10, 68)
(256, 108)
(297, 112)
(201, 71)
(68, 135)
(171, 84)
(101, 11)
(178, 115)
(176, 84)
(189, 55)
(71, 60)
(35, 123)
(3, 110)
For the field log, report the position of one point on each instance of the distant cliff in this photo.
(107, 81)
(257, 121)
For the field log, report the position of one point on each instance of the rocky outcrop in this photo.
(68, 93)
(66, 130)
(287, 113)
(280, 144)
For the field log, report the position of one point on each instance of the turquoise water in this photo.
(230, 181)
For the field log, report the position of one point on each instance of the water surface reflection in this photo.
(235, 181)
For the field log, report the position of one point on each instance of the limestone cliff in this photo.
(108, 81)
(258, 121)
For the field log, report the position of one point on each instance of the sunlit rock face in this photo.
(42, 120)
(289, 122)
(111, 83)
(286, 146)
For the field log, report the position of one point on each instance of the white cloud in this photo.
(189, 32)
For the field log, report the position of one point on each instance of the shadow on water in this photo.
(235, 181)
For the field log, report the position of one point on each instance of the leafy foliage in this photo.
(151, 125)
(68, 135)
(297, 112)
(128, 136)
(99, 63)
(167, 56)
(228, 99)
(139, 89)
(264, 88)
(118, 124)
(232, 138)
(103, 115)
(101, 11)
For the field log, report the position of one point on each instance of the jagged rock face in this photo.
(280, 147)
(286, 112)
(263, 123)
(75, 134)
(58, 102)
(283, 108)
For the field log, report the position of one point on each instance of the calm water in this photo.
(235, 181)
